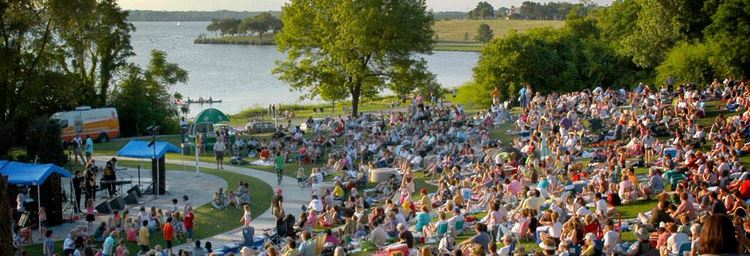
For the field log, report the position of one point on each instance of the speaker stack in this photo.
(133, 194)
(103, 208)
(117, 203)
(132, 198)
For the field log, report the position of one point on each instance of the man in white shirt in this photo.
(219, 148)
(457, 217)
(505, 251)
(315, 204)
(601, 205)
(675, 241)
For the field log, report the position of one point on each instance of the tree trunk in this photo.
(260, 38)
(355, 98)
(6, 241)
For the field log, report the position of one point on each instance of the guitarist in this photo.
(90, 180)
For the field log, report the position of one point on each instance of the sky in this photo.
(275, 5)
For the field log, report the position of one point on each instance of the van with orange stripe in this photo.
(101, 124)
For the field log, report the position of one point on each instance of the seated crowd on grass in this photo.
(596, 172)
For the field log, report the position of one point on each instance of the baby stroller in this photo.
(250, 240)
(285, 227)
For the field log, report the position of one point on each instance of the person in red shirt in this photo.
(168, 231)
(188, 222)
(745, 187)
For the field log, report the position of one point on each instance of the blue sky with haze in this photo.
(264, 5)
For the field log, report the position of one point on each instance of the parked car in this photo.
(259, 127)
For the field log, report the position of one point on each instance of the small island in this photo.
(253, 30)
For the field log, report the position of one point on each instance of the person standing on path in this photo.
(279, 165)
(143, 236)
(108, 249)
(168, 231)
(219, 148)
(89, 148)
(49, 245)
(77, 143)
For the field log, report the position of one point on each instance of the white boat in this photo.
(178, 24)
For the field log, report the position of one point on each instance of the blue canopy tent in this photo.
(141, 149)
(30, 174)
(156, 152)
(34, 175)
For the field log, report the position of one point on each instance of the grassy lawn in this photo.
(208, 221)
(455, 30)
(455, 46)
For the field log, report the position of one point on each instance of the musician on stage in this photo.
(90, 176)
(78, 184)
(110, 176)
(109, 179)
(112, 163)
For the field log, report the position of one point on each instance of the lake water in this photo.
(240, 75)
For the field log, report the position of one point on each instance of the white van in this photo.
(101, 124)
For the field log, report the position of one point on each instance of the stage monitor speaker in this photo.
(117, 203)
(132, 198)
(103, 208)
(136, 190)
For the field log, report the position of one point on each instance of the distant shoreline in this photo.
(450, 46)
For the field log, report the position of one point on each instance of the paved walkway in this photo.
(294, 198)
(178, 184)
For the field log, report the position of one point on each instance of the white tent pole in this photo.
(197, 168)
(38, 208)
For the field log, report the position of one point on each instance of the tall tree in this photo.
(484, 33)
(214, 26)
(728, 38)
(260, 24)
(143, 98)
(482, 11)
(96, 43)
(359, 45)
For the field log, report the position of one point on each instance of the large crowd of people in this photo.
(647, 171)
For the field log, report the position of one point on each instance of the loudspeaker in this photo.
(52, 199)
(132, 198)
(103, 208)
(135, 190)
(117, 203)
(161, 172)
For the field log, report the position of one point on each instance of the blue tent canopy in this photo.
(140, 149)
(30, 174)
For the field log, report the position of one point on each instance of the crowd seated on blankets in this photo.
(654, 177)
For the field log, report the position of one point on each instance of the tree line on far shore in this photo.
(259, 24)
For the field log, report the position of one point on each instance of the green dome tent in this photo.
(206, 123)
(210, 115)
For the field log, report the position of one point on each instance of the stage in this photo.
(198, 189)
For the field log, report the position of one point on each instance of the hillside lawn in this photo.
(449, 34)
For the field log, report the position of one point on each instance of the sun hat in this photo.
(590, 236)
(642, 234)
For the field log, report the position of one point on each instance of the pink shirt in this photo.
(514, 187)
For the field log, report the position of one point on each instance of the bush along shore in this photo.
(246, 40)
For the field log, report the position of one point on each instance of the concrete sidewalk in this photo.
(294, 198)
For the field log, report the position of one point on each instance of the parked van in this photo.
(101, 124)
